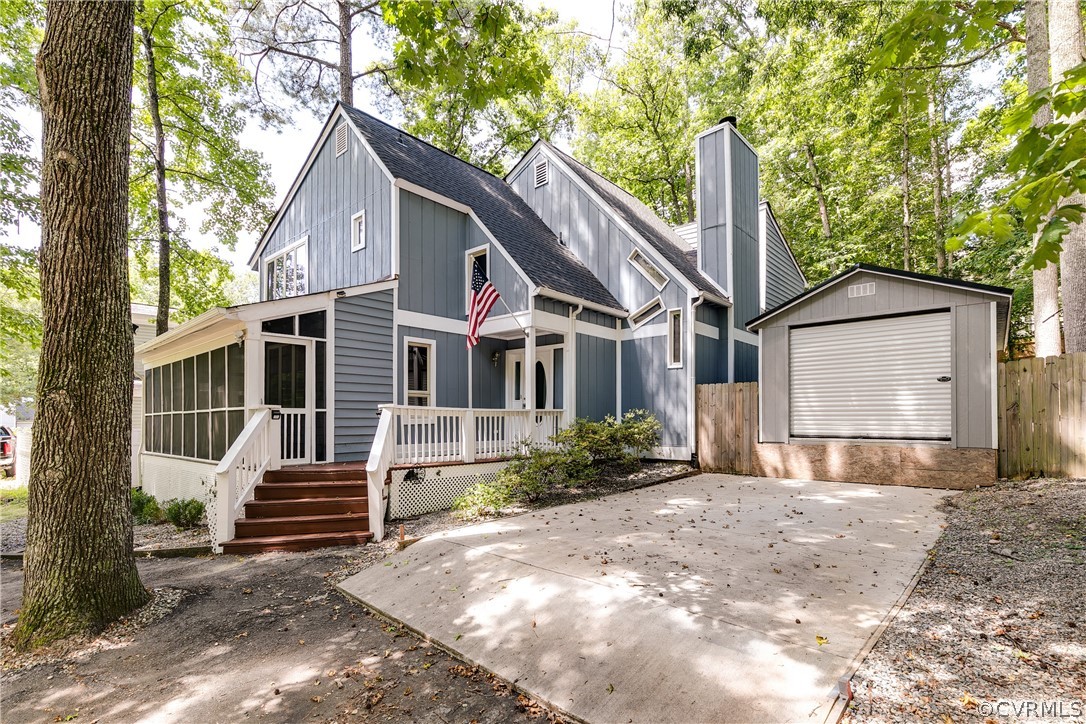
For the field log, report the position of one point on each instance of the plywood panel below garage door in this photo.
(921, 466)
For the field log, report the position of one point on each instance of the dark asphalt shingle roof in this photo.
(508, 217)
(644, 221)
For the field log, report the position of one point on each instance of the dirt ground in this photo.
(257, 638)
(999, 615)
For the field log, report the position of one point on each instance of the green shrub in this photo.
(483, 498)
(145, 508)
(609, 441)
(185, 513)
(582, 449)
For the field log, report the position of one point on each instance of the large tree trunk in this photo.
(1046, 289)
(346, 74)
(79, 572)
(162, 321)
(1068, 49)
(935, 117)
(820, 194)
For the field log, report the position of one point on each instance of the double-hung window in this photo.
(419, 372)
(287, 273)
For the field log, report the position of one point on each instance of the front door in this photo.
(289, 382)
(516, 394)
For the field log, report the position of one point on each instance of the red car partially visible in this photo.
(7, 451)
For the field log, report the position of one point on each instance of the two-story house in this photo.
(356, 354)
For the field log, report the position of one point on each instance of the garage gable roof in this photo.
(760, 320)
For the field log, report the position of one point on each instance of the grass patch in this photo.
(12, 504)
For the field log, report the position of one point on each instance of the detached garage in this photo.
(882, 376)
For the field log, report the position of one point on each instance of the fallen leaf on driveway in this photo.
(610, 688)
(968, 701)
(821, 640)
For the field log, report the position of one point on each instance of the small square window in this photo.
(358, 231)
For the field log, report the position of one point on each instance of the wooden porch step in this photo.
(300, 524)
(315, 473)
(296, 542)
(292, 507)
(310, 489)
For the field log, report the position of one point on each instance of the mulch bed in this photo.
(144, 537)
(999, 614)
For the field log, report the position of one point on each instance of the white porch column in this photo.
(529, 371)
(254, 369)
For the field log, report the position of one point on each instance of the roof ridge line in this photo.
(420, 140)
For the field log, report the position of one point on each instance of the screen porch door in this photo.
(289, 382)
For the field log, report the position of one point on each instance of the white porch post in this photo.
(254, 369)
(529, 372)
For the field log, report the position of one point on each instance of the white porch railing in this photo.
(418, 435)
(254, 452)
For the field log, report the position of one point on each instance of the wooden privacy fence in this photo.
(1042, 416)
(727, 422)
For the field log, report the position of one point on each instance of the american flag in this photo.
(483, 297)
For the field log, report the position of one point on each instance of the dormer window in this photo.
(542, 172)
(341, 139)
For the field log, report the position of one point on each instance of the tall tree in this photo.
(306, 49)
(1068, 51)
(187, 148)
(1046, 285)
(638, 128)
(79, 571)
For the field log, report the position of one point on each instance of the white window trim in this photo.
(341, 133)
(643, 272)
(357, 220)
(302, 241)
(645, 307)
(431, 393)
(674, 364)
(544, 162)
(469, 257)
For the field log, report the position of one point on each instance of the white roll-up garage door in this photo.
(879, 378)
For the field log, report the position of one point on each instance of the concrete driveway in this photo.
(700, 600)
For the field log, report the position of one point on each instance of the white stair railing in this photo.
(380, 462)
(254, 452)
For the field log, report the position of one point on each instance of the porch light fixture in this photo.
(341, 293)
(495, 358)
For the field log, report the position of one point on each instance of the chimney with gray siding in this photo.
(727, 198)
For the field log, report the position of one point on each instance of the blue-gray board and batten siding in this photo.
(333, 190)
(593, 233)
(711, 355)
(783, 280)
(433, 267)
(363, 369)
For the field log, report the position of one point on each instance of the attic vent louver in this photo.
(861, 290)
(542, 172)
(341, 139)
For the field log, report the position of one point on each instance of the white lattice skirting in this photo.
(415, 491)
